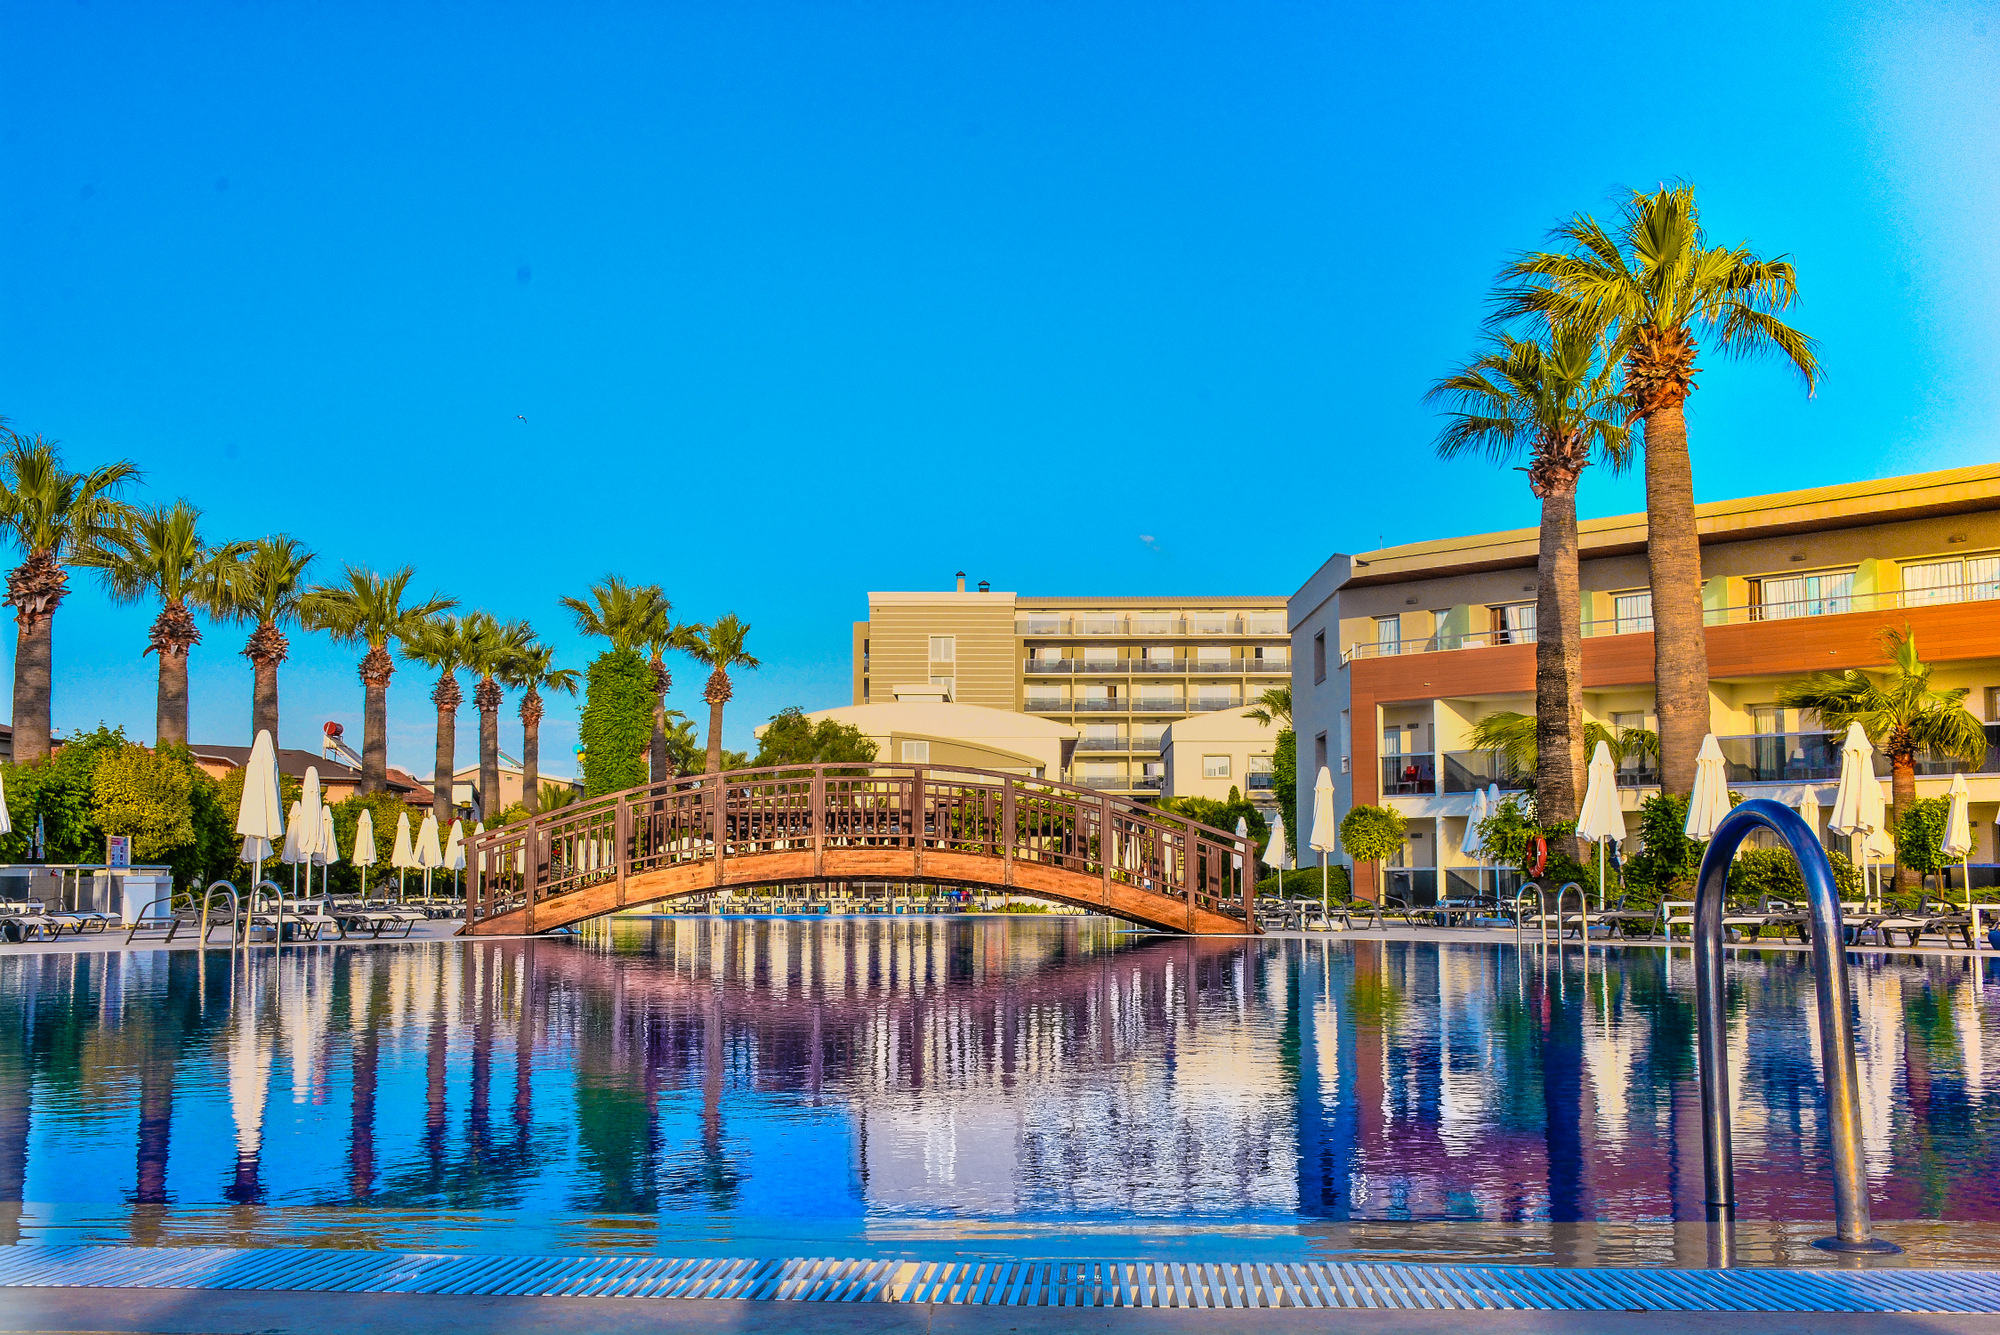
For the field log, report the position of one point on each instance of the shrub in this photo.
(790, 738)
(1667, 860)
(1920, 835)
(1372, 834)
(617, 722)
(1305, 884)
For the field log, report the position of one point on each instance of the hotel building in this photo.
(1121, 671)
(1400, 652)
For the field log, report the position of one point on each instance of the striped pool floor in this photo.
(1299, 1284)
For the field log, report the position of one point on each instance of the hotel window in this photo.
(1215, 767)
(949, 684)
(1046, 700)
(944, 648)
(1631, 612)
(1212, 657)
(916, 753)
(1993, 704)
(1209, 623)
(1389, 634)
(1319, 657)
(1152, 625)
(1158, 701)
(1261, 777)
(1319, 754)
(1827, 593)
(1100, 660)
(1149, 736)
(1392, 740)
(1158, 658)
(1514, 623)
(1961, 579)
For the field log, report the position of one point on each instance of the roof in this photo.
(1815, 509)
(1221, 725)
(294, 762)
(932, 718)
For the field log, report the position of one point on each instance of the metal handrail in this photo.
(226, 888)
(1831, 990)
(1521, 893)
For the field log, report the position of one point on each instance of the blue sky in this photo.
(799, 301)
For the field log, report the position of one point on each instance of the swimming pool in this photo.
(968, 1086)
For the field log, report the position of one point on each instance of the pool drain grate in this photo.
(1012, 1283)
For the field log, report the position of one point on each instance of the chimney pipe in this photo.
(961, 581)
(985, 587)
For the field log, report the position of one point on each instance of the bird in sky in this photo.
(522, 418)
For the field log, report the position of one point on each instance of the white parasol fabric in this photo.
(1808, 809)
(327, 851)
(364, 839)
(292, 854)
(454, 847)
(6, 822)
(1603, 820)
(261, 814)
(1242, 832)
(403, 856)
(429, 855)
(310, 814)
(1472, 845)
(1276, 854)
(1857, 803)
(1958, 832)
(1710, 802)
(1325, 832)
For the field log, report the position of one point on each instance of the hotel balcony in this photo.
(1142, 745)
(1149, 667)
(1135, 625)
(1409, 775)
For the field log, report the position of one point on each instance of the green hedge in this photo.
(1305, 884)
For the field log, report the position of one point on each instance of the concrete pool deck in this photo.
(445, 929)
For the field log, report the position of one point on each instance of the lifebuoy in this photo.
(1541, 861)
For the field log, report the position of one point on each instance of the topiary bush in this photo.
(617, 722)
(1372, 834)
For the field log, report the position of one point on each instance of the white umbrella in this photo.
(1472, 845)
(312, 822)
(328, 851)
(1854, 815)
(1710, 802)
(364, 846)
(429, 855)
(1325, 832)
(454, 851)
(1242, 832)
(260, 817)
(402, 857)
(6, 823)
(1275, 854)
(291, 854)
(1603, 820)
(1958, 834)
(1808, 809)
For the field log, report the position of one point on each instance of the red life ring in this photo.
(1541, 861)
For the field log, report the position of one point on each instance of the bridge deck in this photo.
(746, 828)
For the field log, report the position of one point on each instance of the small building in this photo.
(338, 780)
(1208, 754)
(926, 730)
(465, 795)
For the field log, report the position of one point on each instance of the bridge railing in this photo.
(713, 819)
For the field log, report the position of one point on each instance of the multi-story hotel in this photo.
(1121, 670)
(1400, 652)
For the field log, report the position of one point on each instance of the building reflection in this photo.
(959, 1069)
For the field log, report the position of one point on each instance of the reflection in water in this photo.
(692, 1084)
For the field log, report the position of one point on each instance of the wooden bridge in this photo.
(975, 828)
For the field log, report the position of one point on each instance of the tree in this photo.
(491, 650)
(684, 752)
(161, 555)
(535, 671)
(1371, 833)
(370, 609)
(719, 647)
(790, 738)
(438, 643)
(1652, 285)
(617, 718)
(628, 615)
(264, 588)
(666, 635)
(57, 518)
(148, 795)
(1554, 399)
(1515, 736)
(1901, 712)
(1222, 815)
(1275, 706)
(1920, 827)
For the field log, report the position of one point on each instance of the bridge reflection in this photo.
(689, 1071)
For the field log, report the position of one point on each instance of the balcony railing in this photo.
(1473, 771)
(1814, 757)
(1208, 704)
(1149, 667)
(1103, 743)
(1149, 625)
(1045, 704)
(1749, 613)
(1160, 704)
(1102, 704)
(1407, 776)
(1262, 781)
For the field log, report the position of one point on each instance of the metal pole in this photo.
(1854, 1232)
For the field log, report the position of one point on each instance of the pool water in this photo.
(967, 1086)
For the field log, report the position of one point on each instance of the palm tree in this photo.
(628, 615)
(161, 555)
(369, 609)
(492, 650)
(1514, 736)
(1901, 712)
(1273, 706)
(534, 671)
(57, 518)
(1555, 399)
(681, 637)
(1652, 285)
(438, 643)
(264, 588)
(719, 646)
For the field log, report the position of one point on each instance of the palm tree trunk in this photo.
(375, 737)
(657, 766)
(488, 698)
(1902, 792)
(170, 714)
(34, 653)
(1559, 756)
(1673, 561)
(264, 701)
(445, 760)
(531, 751)
(715, 737)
